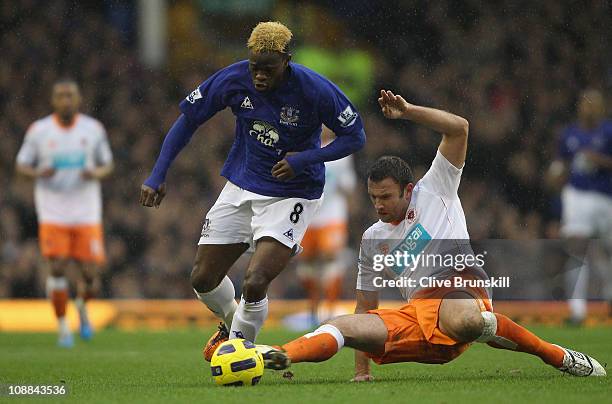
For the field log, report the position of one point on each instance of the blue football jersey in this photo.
(583, 174)
(270, 124)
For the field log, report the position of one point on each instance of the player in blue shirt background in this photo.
(584, 164)
(274, 169)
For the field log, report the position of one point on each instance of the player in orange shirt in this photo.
(67, 154)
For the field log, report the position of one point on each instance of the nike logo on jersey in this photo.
(246, 103)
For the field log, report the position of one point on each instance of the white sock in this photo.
(221, 300)
(577, 281)
(489, 332)
(56, 283)
(63, 326)
(82, 308)
(490, 327)
(329, 329)
(249, 318)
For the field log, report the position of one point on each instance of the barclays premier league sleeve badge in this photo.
(347, 117)
(195, 95)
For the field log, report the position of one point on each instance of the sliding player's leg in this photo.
(364, 332)
(269, 260)
(509, 335)
(462, 318)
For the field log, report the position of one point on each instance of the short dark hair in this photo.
(391, 167)
(65, 80)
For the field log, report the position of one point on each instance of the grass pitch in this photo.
(161, 367)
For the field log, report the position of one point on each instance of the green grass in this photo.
(164, 367)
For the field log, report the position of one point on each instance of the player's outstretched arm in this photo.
(366, 300)
(453, 127)
(153, 190)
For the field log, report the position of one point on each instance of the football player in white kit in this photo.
(67, 154)
(321, 267)
(438, 323)
(584, 164)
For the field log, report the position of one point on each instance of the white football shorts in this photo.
(241, 216)
(586, 213)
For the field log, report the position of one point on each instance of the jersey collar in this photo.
(61, 125)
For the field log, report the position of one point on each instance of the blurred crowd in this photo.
(514, 69)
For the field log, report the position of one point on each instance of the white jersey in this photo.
(340, 179)
(66, 198)
(434, 225)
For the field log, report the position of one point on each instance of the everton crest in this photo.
(289, 116)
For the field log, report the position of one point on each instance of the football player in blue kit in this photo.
(584, 163)
(275, 172)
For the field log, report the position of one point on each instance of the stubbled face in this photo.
(267, 69)
(65, 100)
(388, 199)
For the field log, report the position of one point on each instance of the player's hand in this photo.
(283, 170)
(46, 172)
(362, 378)
(150, 197)
(393, 106)
(597, 160)
(88, 175)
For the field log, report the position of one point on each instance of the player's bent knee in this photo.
(337, 321)
(472, 327)
(466, 326)
(89, 273)
(255, 285)
(459, 317)
(57, 267)
(202, 281)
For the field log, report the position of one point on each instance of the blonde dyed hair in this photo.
(269, 37)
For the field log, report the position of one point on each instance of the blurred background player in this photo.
(584, 168)
(274, 171)
(322, 263)
(67, 153)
